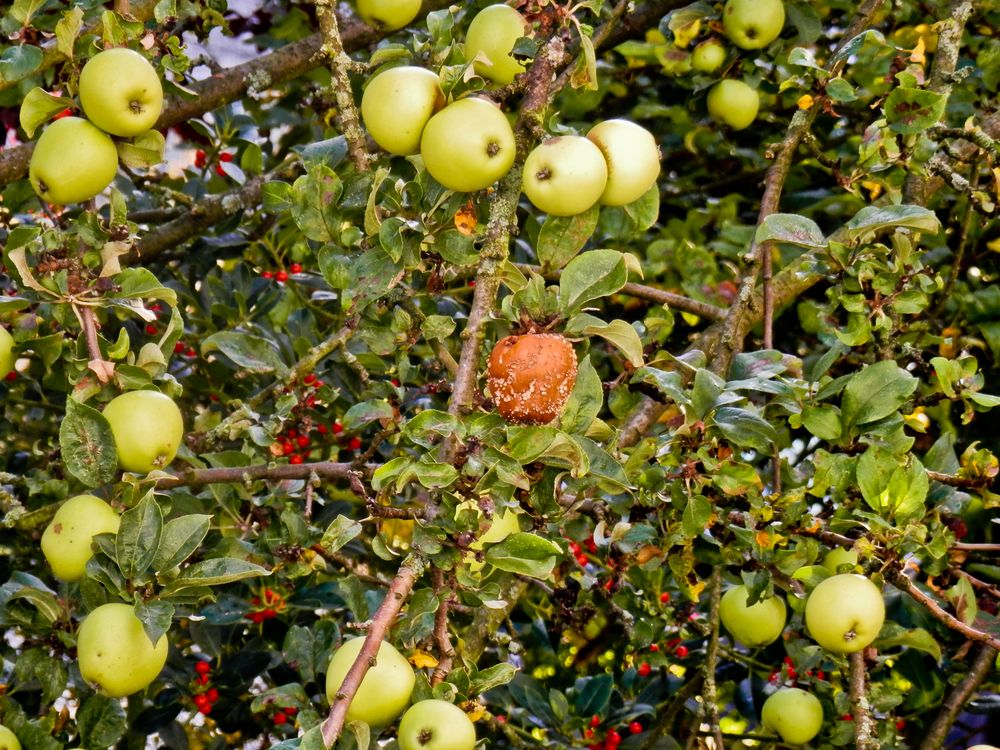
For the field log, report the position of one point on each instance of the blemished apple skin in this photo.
(66, 541)
(115, 653)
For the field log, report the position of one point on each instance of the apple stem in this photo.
(399, 590)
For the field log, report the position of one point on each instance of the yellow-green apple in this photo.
(397, 104)
(468, 145)
(708, 56)
(72, 162)
(632, 157)
(752, 625)
(565, 176)
(844, 613)
(436, 725)
(8, 740)
(66, 541)
(120, 92)
(492, 35)
(388, 15)
(115, 653)
(148, 429)
(840, 556)
(752, 24)
(6, 352)
(797, 716)
(734, 103)
(384, 692)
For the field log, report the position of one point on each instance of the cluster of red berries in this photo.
(791, 673)
(284, 715)
(266, 606)
(206, 695)
(578, 552)
(281, 276)
(201, 160)
(612, 739)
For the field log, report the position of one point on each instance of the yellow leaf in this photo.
(994, 245)
(805, 101)
(421, 659)
(655, 37)
(685, 34)
(917, 55)
(473, 709)
(465, 220)
(874, 189)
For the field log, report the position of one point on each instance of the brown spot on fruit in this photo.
(531, 377)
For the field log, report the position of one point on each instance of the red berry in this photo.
(582, 560)
(267, 274)
(290, 710)
(472, 283)
(395, 382)
(788, 660)
(205, 710)
(225, 157)
(337, 428)
(287, 449)
(355, 444)
(595, 721)
(318, 384)
(219, 170)
(588, 734)
(653, 647)
(309, 379)
(591, 545)
(296, 459)
(644, 669)
(281, 277)
(665, 597)
(200, 700)
(65, 113)
(190, 352)
(179, 347)
(681, 651)
(280, 718)
(310, 401)
(203, 667)
(295, 268)
(269, 613)
(302, 441)
(575, 548)
(212, 694)
(322, 429)
(635, 727)
(11, 376)
(847, 717)
(595, 746)
(291, 432)
(199, 158)
(820, 675)
(151, 329)
(501, 719)
(900, 725)
(613, 739)
(256, 617)
(773, 677)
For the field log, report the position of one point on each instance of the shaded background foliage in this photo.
(306, 312)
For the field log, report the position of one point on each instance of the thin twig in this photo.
(864, 725)
(395, 597)
(197, 477)
(446, 652)
(710, 703)
(957, 699)
(963, 241)
(905, 584)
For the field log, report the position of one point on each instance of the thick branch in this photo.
(397, 594)
(864, 725)
(197, 477)
(710, 694)
(446, 652)
(957, 698)
(905, 584)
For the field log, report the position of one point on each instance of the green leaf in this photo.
(491, 677)
(140, 283)
(697, 513)
(438, 327)
(38, 106)
(215, 572)
(871, 219)
(840, 90)
(87, 445)
(367, 412)
(822, 421)
(875, 393)
(427, 427)
(139, 536)
(893, 634)
(562, 237)
(329, 152)
(143, 151)
(644, 211)
(586, 400)
(339, 533)
(372, 275)
(585, 71)
(594, 695)
(156, 616)
(912, 111)
(526, 554)
(314, 203)
(248, 352)
(180, 538)
(790, 229)
(590, 276)
(618, 333)
(745, 428)
(963, 601)
(100, 721)
(19, 61)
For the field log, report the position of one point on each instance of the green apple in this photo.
(6, 352)
(385, 691)
(66, 541)
(633, 160)
(397, 104)
(974, 747)
(565, 176)
(754, 625)
(845, 612)
(8, 740)
(734, 103)
(840, 556)
(72, 162)
(148, 429)
(708, 56)
(752, 24)
(388, 15)
(492, 35)
(120, 92)
(436, 725)
(797, 716)
(468, 145)
(115, 653)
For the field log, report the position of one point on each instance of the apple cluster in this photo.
(75, 158)
(384, 695)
